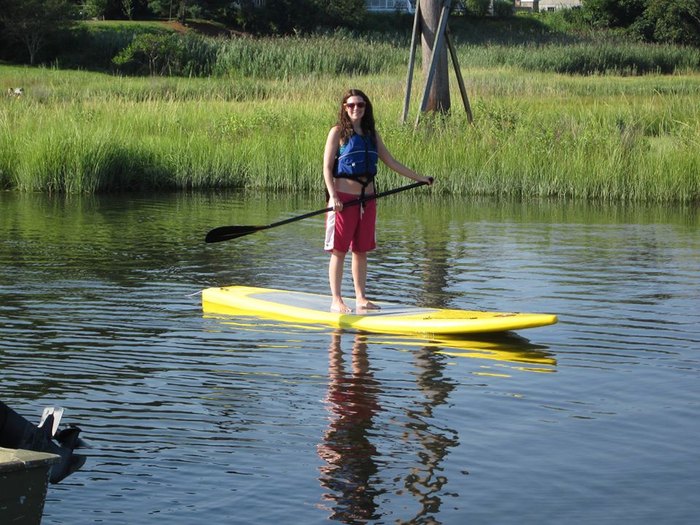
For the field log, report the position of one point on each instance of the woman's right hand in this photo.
(335, 203)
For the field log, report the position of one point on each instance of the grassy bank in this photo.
(157, 49)
(535, 133)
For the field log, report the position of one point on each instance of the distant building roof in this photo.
(549, 5)
(405, 6)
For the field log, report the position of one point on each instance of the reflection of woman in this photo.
(349, 455)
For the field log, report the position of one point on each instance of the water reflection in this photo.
(509, 349)
(424, 481)
(352, 460)
(346, 448)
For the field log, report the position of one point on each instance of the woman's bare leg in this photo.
(359, 277)
(335, 278)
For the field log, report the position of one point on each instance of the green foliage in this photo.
(663, 21)
(278, 58)
(535, 134)
(477, 7)
(168, 54)
(94, 8)
(586, 58)
(613, 13)
(290, 57)
(152, 49)
(93, 45)
(676, 22)
(34, 22)
(285, 17)
(503, 8)
(341, 13)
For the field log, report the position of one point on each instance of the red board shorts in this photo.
(353, 228)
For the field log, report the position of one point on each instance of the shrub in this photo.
(503, 8)
(168, 54)
(478, 7)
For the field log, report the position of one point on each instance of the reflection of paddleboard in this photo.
(304, 307)
(506, 347)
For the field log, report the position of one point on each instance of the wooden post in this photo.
(411, 60)
(435, 57)
(458, 74)
(442, 35)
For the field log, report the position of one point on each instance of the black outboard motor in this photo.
(17, 432)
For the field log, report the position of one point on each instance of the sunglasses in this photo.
(351, 105)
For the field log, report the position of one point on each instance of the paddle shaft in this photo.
(225, 233)
(353, 202)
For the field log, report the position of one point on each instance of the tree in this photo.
(94, 8)
(503, 8)
(672, 21)
(128, 6)
(299, 16)
(478, 7)
(350, 13)
(439, 94)
(663, 21)
(613, 13)
(34, 22)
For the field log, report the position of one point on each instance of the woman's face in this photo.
(355, 106)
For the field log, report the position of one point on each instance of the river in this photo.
(194, 418)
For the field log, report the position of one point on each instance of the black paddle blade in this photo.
(226, 233)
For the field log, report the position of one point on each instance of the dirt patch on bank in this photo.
(204, 28)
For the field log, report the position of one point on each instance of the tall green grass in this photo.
(193, 55)
(586, 58)
(151, 49)
(535, 134)
(283, 58)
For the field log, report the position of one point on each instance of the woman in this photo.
(349, 167)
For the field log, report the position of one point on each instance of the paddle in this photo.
(226, 233)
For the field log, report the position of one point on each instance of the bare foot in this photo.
(367, 305)
(340, 307)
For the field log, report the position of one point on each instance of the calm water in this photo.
(195, 418)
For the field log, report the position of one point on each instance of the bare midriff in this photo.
(352, 187)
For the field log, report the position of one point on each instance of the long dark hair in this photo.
(344, 122)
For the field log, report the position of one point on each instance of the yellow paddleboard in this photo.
(301, 307)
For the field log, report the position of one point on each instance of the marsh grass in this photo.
(523, 43)
(586, 58)
(284, 58)
(535, 134)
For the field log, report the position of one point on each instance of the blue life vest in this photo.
(357, 160)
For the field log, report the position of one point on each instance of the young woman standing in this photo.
(350, 159)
